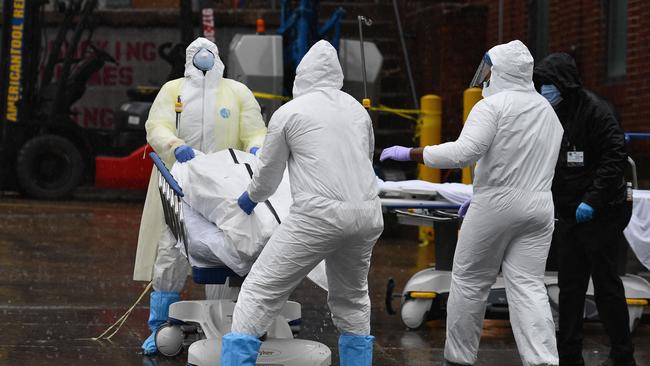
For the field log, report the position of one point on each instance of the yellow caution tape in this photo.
(271, 96)
(383, 108)
(404, 113)
(410, 114)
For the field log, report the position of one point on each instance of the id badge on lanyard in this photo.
(575, 158)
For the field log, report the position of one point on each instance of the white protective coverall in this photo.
(515, 136)
(326, 137)
(218, 113)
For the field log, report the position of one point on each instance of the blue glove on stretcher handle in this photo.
(584, 213)
(184, 153)
(253, 150)
(462, 211)
(245, 203)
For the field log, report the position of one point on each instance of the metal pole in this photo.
(635, 181)
(363, 56)
(186, 21)
(406, 56)
(500, 36)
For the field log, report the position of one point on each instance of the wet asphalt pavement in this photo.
(65, 276)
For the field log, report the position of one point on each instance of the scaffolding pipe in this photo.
(416, 105)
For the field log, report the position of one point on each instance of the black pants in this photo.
(585, 250)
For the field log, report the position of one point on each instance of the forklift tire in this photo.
(49, 167)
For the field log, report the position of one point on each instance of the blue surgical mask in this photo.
(204, 60)
(552, 94)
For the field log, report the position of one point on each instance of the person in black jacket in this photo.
(589, 192)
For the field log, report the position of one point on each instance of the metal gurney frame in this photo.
(424, 295)
(200, 324)
(171, 196)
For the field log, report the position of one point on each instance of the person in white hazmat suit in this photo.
(514, 136)
(217, 113)
(326, 137)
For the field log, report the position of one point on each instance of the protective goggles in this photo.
(482, 72)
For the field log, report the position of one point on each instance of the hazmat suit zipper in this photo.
(203, 114)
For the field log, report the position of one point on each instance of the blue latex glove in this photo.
(254, 149)
(584, 213)
(184, 153)
(462, 211)
(246, 204)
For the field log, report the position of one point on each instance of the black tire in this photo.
(49, 167)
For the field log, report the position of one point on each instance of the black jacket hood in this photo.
(559, 69)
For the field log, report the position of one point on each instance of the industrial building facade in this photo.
(610, 40)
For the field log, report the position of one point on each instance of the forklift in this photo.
(43, 153)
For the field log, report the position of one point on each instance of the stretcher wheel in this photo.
(169, 340)
(415, 312)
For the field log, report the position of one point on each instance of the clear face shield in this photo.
(483, 72)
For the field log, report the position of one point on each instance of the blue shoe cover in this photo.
(158, 313)
(355, 350)
(239, 349)
(149, 346)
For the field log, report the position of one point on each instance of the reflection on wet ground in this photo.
(65, 275)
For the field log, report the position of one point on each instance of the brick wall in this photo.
(446, 50)
(637, 85)
(579, 28)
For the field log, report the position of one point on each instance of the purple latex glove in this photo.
(462, 211)
(397, 153)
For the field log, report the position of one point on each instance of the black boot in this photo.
(576, 362)
(449, 363)
(611, 362)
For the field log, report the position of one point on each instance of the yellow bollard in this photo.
(430, 134)
(471, 96)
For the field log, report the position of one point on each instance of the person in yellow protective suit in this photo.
(217, 113)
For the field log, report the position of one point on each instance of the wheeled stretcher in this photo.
(199, 325)
(424, 297)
